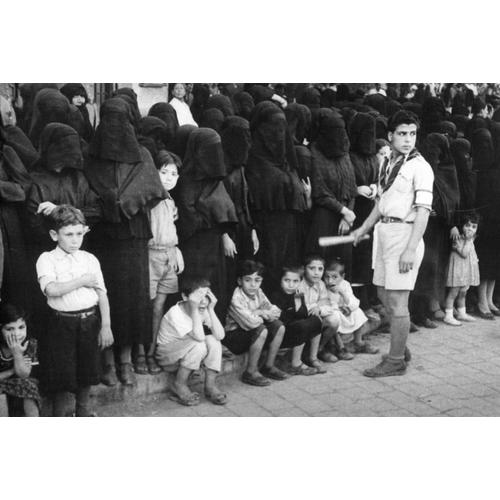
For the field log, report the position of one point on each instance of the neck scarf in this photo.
(388, 175)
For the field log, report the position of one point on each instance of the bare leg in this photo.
(400, 322)
(211, 383)
(60, 404)
(450, 297)
(158, 305)
(297, 355)
(482, 297)
(490, 288)
(126, 354)
(255, 352)
(82, 402)
(313, 348)
(461, 309)
(180, 384)
(274, 347)
(30, 408)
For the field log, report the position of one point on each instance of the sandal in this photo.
(327, 357)
(140, 365)
(153, 367)
(274, 373)
(255, 379)
(219, 399)
(302, 369)
(317, 365)
(191, 400)
(365, 348)
(126, 374)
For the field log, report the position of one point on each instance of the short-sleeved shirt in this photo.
(60, 267)
(177, 324)
(163, 217)
(412, 188)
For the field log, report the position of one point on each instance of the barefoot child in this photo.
(189, 335)
(252, 322)
(353, 320)
(300, 328)
(16, 355)
(463, 271)
(165, 258)
(318, 304)
(79, 321)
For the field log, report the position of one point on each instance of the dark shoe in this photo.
(413, 327)
(327, 357)
(365, 348)
(255, 379)
(428, 323)
(407, 355)
(301, 370)
(140, 365)
(316, 364)
(438, 315)
(108, 376)
(274, 373)
(344, 355)
(191, 400)
(387, 368)
(495, 312)
(126, 374)
(153, 367)
(226, 353)
(487, 315)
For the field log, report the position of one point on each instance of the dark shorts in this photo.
(69, 353)
(301, 331)
(239, 341)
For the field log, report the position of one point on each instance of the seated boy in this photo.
(79, 322)
(353, 321)
(300, 327)
(189, 335)
(317, 303)
(252, 322)
(165, 259)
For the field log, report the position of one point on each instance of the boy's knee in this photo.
(331, 321)
(212, 344)
(262, 335)
(200, 350)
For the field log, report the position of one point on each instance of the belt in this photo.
(84, 313)
(389, 220)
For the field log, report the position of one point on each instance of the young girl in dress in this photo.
(16, 356)
(352, 320)
(463, 271)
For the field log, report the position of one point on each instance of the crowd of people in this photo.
(136, 244)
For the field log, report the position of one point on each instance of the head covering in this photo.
(414, 107)
(166, 112)
(475, 123)
(71, 90)
(83, 125)
(49, 106)
(381, 127)
(212, 118)
(260, 93)
(482, 149)
(181, 139)
(201, 94)
(60, 148)
(332, 139)
(362, 134)
(28, 93)
(433, 113)
(152, 134)
(115, 138)
(298, 117)
(311, 97)
(392, 106)
(378, 102)
(343, 92)
(461, 123)
(328, 98)
(449, 129)
(460, 150)
(243, 104)
(304, 161)
(222, 103)
(236, 141)
(130, 97)
(478, 105)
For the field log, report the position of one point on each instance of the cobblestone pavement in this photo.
(455, 371)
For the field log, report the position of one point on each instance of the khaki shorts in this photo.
(391, 243)
(162, 277)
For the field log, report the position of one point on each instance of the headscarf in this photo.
(261, 93)
(475, 123)
(414, 107)
(181, 139)
(378, 102)
(433, 113)
(71, 90)
(461, 123)
(311, 97)
(152, 134)
(317, 117)
(166, 112)
(304, 161)
(28, 93)
(130, 97)
(332, 141)
(381, 127)
(272, 163)
(343, 92)
(460, 150)
(49, 106)
(482, 149)
(212, 118)
(298, 117)
(362, 134)
(449, 129)
(436, 150)
(496, 115)
(236, 142)
(203, 201)
(115, 138)
(222, 103)
(60, 148)
(243, 104)
(201, 94)
(392, 106)
(328, 98)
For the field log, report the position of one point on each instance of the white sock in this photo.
(462, 314)
(448, 313)
(449, 319)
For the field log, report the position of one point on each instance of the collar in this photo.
(60, 254)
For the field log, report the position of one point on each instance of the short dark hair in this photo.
(247, 267)
(65, 215)
(165, 157)
(10, 313)
(191, 282)
(334, 265)
(313, 256)
(478, 105)
(293, 268)
(380, 143)
(471, 216)
(402, 117)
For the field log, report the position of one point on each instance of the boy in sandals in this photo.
(300, 328)
(190, 334)
(252, 323)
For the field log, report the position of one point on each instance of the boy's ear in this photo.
(389, 136)
(86, 229)
(184, 296)
(53, 235)
(238, 280)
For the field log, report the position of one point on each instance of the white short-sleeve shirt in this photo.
(412, 188)
(60, 267)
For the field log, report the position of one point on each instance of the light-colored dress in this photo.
(343, 296)
(463, 266)
(184, 116)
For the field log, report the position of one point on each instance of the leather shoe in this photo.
(108, 376)
(487, 315)
(387, 368)
(126, 374)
